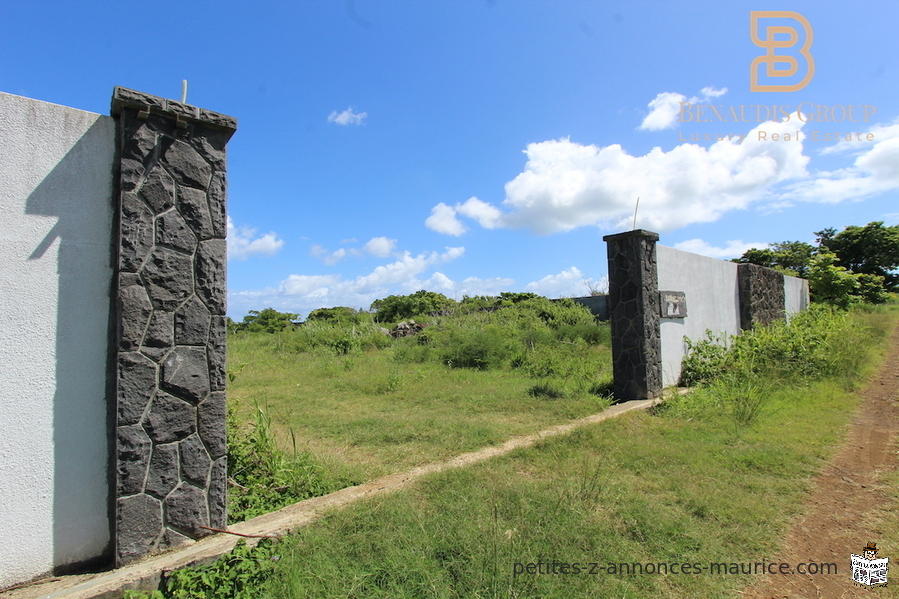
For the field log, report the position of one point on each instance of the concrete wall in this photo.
(597, 304)
(712, 297)
(55, 267)
(715, 301)
(795, 295)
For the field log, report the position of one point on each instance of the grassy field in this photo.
(376, 416)
(346, 404)
(370, 405)
(685, 485)
(715, 477)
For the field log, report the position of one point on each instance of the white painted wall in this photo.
(55, 277)
(713, 303)
(795, 295)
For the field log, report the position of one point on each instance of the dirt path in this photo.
(837, 518)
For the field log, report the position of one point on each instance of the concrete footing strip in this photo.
(146, 574)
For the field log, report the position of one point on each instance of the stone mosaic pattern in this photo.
(762, 298)
(171, 464)
(634, 314)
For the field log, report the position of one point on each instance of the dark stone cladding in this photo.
(170, 473)
(633, 306)
(762, 298)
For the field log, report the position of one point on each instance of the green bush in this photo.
(399, 307)
(341, 339)
(242, 573)
(482, 348)
(263, 478)
(820, 342)
(268, 320)
(592, 334)
(704, 361)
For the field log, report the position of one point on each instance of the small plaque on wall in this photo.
(674, 304)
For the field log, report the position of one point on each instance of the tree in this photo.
(268, 320)
(835, 284)
(789, 257)
(398, 307)
(338, 314)
(872, 250)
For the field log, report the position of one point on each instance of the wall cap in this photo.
(649, 235)
(122, 97)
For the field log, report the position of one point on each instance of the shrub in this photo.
(268, 320)
(398, 307)
(592, 334)
(704, 361)
(820, 342)
(481, 348)
(264, 478)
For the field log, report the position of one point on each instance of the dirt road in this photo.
(849, 496)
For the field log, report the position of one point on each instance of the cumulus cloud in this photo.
(875, 169)
(664, 108)
(568, 283)
(443, 220)
(244, 243)
(347, 117)
(486, 215)
(362, 290)
(566, 185)
(380, 247)
(407, 274)
(734, 248)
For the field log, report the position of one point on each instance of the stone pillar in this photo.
(171, 467)
(634, 314)
(762, 299)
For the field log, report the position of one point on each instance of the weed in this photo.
(262, 477)
(242, 573)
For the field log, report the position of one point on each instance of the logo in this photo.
(774, 42)
(867, 569)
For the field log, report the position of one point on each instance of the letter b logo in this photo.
(771, 59)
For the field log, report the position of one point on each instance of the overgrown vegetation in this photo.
(739, 375)
(263, 477)
(351, 402)
(688, 487)
(240, 574)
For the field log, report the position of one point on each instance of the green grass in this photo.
(639, 489)
(375, 412)
(644, 488)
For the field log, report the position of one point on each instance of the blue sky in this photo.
(472, 146)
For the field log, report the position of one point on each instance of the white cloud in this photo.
(303, 293)
(734, 248)
(568, 283)
(243, 242)
(323, 290)
(565, 185)
(486, 215)
(401, 271)
(380, 246)
(875, 170)
(347, 117)
(664, 108)
(307, 285)
(443, 220)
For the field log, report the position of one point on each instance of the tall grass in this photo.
(739, 375)
(635, 490)
(262, 476)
